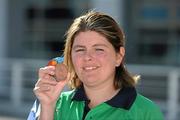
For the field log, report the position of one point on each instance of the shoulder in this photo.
(144, 101)
(147, 107)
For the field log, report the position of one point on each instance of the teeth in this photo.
(90, 68)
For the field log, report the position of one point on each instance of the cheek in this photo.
(109, 60)
(105, 56)
(100, 56)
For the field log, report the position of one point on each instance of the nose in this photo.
(88, 56)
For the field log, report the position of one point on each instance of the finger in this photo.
(50, 81)
(47, 76)
(46, 70)
(40, 90)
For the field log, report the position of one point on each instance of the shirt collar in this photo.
(123, 99)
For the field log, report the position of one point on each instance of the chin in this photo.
(89, 83)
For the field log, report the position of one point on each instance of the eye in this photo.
(79, 50)
(99, 49)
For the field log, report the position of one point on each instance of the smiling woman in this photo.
(95, 60)
(102, 88)
(107, 30)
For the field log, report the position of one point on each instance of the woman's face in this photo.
(94, 59)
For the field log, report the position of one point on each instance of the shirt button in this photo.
(90, 117)
(56, 110)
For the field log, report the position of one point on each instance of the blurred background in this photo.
(32, 32)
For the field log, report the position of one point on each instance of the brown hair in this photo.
(106, 26)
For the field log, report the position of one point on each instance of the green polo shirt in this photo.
(126, 105)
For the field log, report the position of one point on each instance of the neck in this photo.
(100, 94)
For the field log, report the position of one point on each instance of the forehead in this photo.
(89, 38)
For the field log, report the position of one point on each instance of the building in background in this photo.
(32, 32)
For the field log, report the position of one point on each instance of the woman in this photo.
(102, 89)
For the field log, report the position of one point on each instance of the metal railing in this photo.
(18, 76)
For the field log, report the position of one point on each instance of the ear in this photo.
(120, 56)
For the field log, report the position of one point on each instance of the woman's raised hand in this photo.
(48, 89)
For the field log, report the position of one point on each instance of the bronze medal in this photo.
(61, 72)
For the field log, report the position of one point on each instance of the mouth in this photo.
(90, 68)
